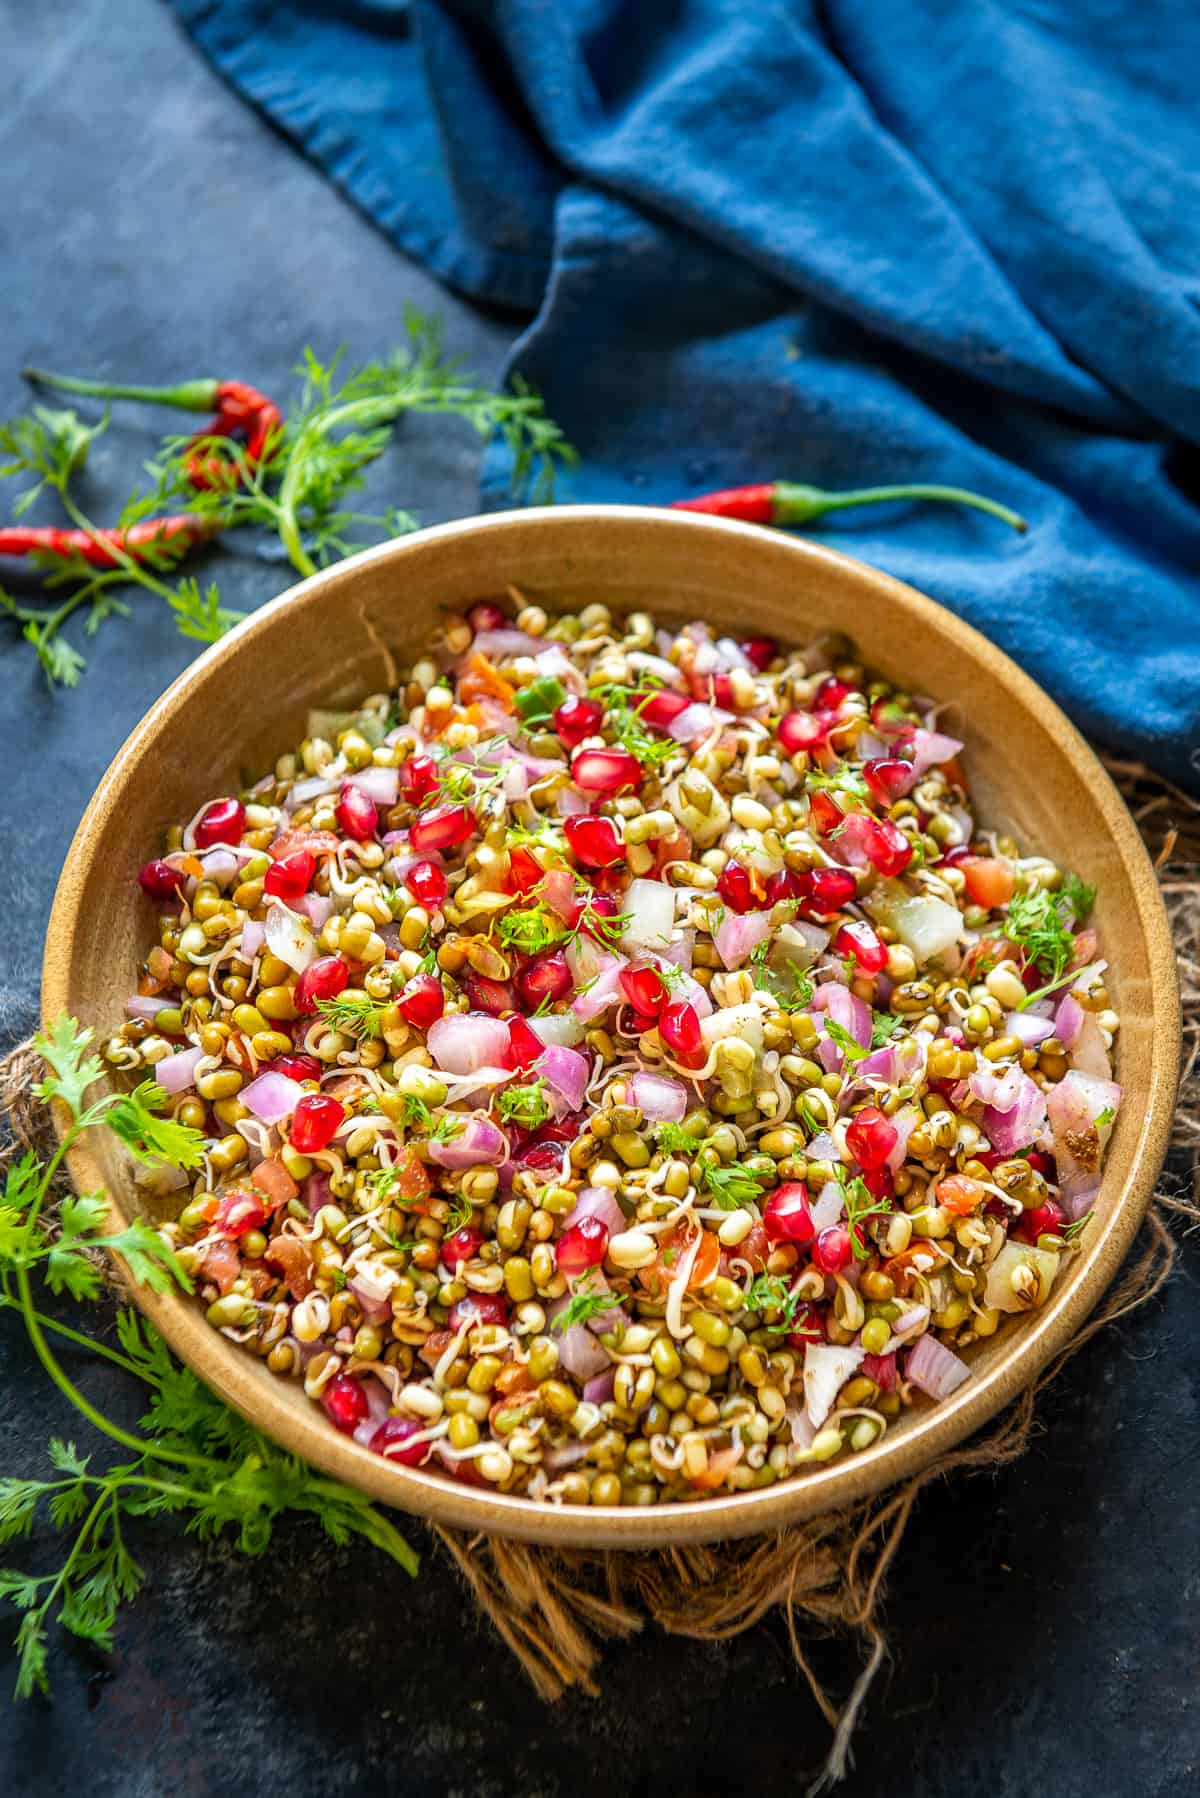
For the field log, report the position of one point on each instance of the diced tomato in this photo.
(221, 1263)
(294, 1260)
(272, 1179)
(988, 880)
(317, 842)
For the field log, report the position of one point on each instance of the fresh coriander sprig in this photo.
(860, 1206)
(354, 1014)
(585, 1303)
(733, 1185)
(770, 1292)
(526, 1105)
(1041, 924)
(837, 1033)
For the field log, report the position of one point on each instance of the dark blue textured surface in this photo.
(839, 243)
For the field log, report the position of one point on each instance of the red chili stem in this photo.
(105, 549)
(789, 502)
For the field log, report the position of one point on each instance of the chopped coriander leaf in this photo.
(624, 720)
(859, 1207)
(526, 1105)
(769, 1292)
(449, 1125)
(1104, 1117)
(1037, 923)
(838, 1034)
(884, 1027)
(673, 1138)
(1079, 896)
(416, 1111)
(529, 929)
(790, 986)
(733, 1185)
(586, 1302)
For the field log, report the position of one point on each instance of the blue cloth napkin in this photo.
(844, 243)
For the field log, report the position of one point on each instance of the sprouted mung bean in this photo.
(628, 1072)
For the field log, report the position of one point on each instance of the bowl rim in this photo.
(820, 1489)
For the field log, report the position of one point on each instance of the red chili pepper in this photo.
(241, 410)
(786, 502)
(176, 534)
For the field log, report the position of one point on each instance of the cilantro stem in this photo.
(88, 1342)
(364, 412)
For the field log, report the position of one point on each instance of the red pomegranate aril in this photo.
(221, 822)
(297, 1067)
(584, 1245)
(829, 889)
(345, 1403)
(545, 979)
(428, 885)
(878, 1182)
(645, 990)
(444, 828)
(734, 887)
(605, 770)
(464, 1245)
(831, 694)
(1046, 1219)
(888, 778)
(481, 1308)
(712, 688)
(831, 1252)
(577, 719)
(600, 905)
(239, 1211)
(419, 779)
(800, 731)
(524, 1043)
(807, 1326)
(786, 1216)
(315, 1122)
(161, 882)
(321, 979)
(857, 939)
(524, 871)
(291, 876)
(486, 617)
(660, 708)
(870, 1137)
(679, 1027)
(594, 842)
(422, 1001)
(887, 847)
(393, 1440)
(495, 997)
(824, 812)
(760, 652)
(357, 815)
(786, 884)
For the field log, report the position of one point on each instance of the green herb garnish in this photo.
(530, 929)
(673, 1138)
(859, 1207)
(585, 1303)
(769, 1292)
(838, 1034)
(1039, 924)
(525, 1105)
(354, 1014)
(884, 1027)
(733, 1185)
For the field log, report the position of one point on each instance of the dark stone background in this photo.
(1044, 1620)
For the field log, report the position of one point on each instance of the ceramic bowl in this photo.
(327, 642)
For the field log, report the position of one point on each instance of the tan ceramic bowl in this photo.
(244, 702)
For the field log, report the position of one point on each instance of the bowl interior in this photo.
(338, 636)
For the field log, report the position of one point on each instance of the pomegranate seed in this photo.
(357, 815)
(660, 708)
(829, 889)
(878, 1182)
(524, 871)
(881, 1369)
(830, 694)
(427, 884)
(419, 779)
(713, 688)
(322, 979)
(595, 842)
(870, 1138)
(238, 1212)
(391, 1437)
(161, 882)
(345, 1403)
(679, 1027)
(291, 876)
(858, 940)
(600, 905)
(524, 1044)
(643, 986)
(785, 884)
(315, 1122)
(760, 652)
(605, 770)
(545, 979)
(221, 822)
(297, 1067)
(480, 1307)
(799, 731)
(441, 829)
(464, 1245)
(1040, 1162)
(423, 1001)
(584, 1245)
(887, 847)
(824, 812)
(831, 1252)
(807, 1326)
(1044, 1220)
(786, 1217)
(888, 778)
(734, 887)
(495, 997)
(486, 617)
(577, 719)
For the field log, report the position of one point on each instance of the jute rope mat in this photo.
(555, 1608)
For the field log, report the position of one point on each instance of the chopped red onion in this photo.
(823, 1148)
(467, 1041)
(829, 1205)
(660, 1100)
(852, 1013)
(929, 748)
(315, 786)
(558, 891)
(1090, 1052)
(318, 908)
(1017, 1113)
(678, 952)
(290, 938)
(569, 802)
(1075, 1104)
(317, 1191)
(559, 1028)
(904, 1122)
(254, 935)
(567, 1071)
(579, 1353)
(936, 1369)
(175, 1073)
(657, 667)
(696, 721)
(379, 784)
(479, 1143)
(1000, 1090)
(1027, 1029)
(221, 864)
(602, 992)
(599, 1389)
(1068, 1021)
(376, 1304)
(879, 1065)
(915, 1318)
(504, 644)
(738, 934)
(145, 1005)
(564, 1457)
(598, 1201)
(271, 1097)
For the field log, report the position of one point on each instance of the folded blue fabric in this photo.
(842, 243)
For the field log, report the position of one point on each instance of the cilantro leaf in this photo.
(837, 1033)
(73, 1069)
(733, 1185)
(134, 1117)
(526, 1105)
(585, 1303)
(884, 1026)
(674, 1138)
(530, 929)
